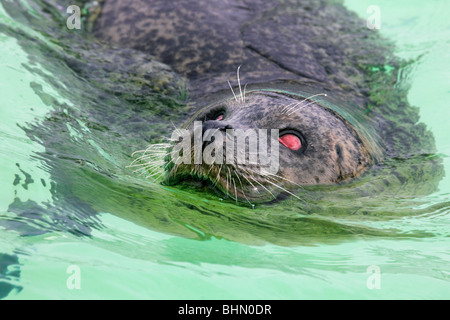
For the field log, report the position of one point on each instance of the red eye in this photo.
(219, 117)
(291, 141)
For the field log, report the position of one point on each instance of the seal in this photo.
(168, 64)
(284, 46)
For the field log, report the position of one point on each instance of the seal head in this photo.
(312, 145)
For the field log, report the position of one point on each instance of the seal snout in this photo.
(213, 125)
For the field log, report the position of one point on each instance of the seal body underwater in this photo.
(308, 72)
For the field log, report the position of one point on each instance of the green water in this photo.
(244, 255)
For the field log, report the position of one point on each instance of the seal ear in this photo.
(348, 165)
(339, 152)
(350, 161)
(340, 161)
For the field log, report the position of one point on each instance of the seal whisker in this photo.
(274, 184)
(210, 168)
(232, 90)
(142, 164)
(154, 154)
(135, 164)
(138, 151)
(177, 130)
(245, 87)
(300, 107)
(152, 174)
(245, 171)
(158, 149)
(235, 191)
(147, 169)
(218, 175)
(147, 159)
(160, 176)
(263, 187)
(150, 177)
(293, 106)
(239, 84)
(152, 161)
(150, 152)
(315, 95)
(288, 105)
(280, 177)
(153, 171)
(158, 145)
(154, 164)
(228, 175)
(243, 192)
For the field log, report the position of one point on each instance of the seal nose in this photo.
(213, 124)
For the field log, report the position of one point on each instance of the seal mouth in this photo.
(239, 183)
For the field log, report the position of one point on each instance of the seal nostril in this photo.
(215, 124)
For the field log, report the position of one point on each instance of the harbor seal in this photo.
(136, 90)
(285, 47)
